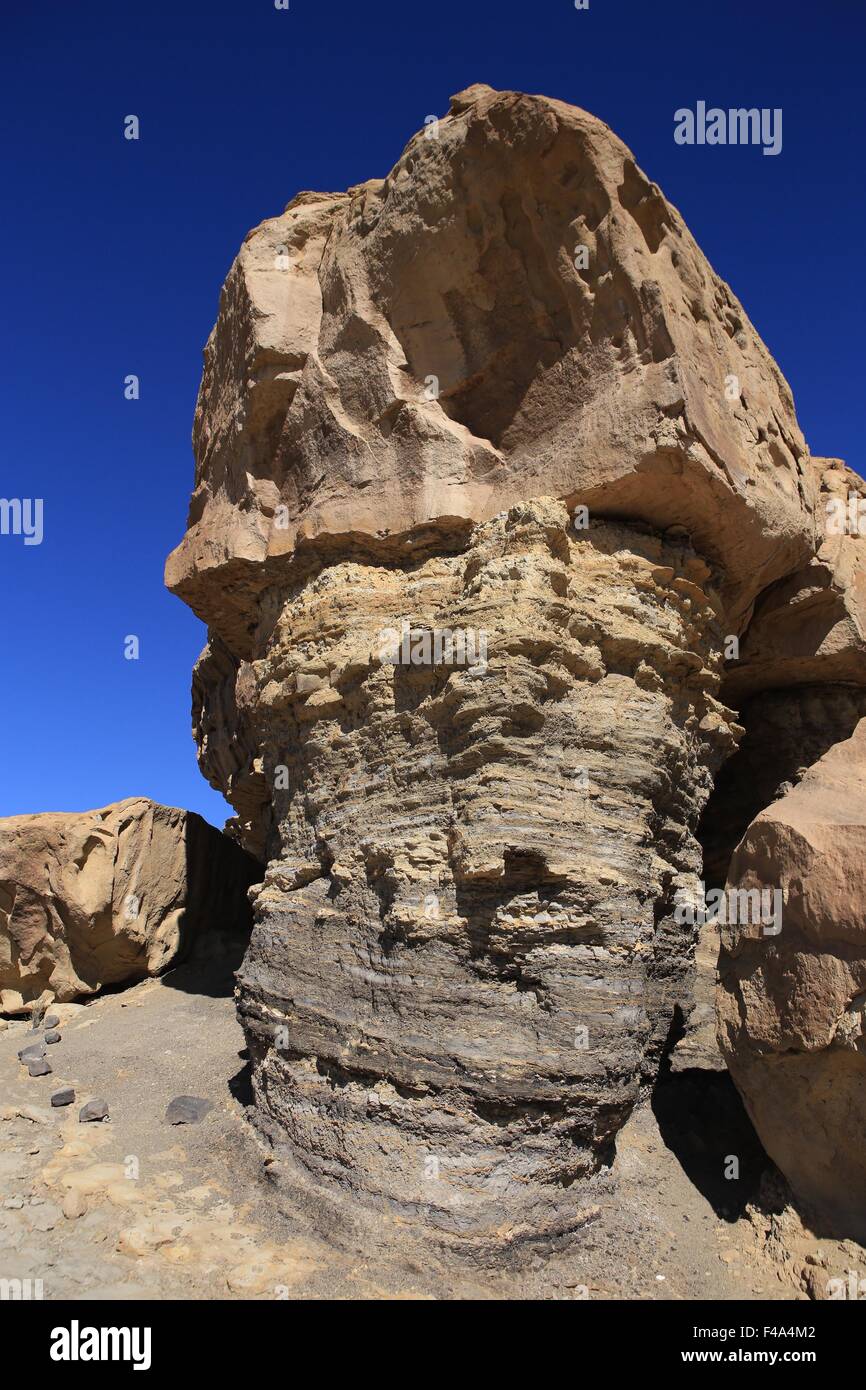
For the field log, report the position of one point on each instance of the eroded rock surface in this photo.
(228, 755)
(697, 1048)
(100, 897)
(465, 959)
(423, 351)
(792, 1007)
(811, 626)
(466, 938)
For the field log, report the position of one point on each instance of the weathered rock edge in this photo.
(99, 898)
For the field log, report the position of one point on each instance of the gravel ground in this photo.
(138, 1208)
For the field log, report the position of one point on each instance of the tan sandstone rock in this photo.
(465, 960)
(792, 1007)
(99, 897)
(811, 627)
(428, 349)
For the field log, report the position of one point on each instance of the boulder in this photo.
(187, 1110)
(94, 1111)
(792, 1006)
(101, 897)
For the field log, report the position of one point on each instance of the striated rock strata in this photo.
(498, 393)
(466, 937)
(101, 897)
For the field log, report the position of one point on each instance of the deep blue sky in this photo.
(115, 251)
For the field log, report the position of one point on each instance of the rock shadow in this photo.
(704, 1123)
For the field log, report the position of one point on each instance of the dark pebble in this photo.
(39, 1067)
(65, 1096)
(187, 1110)
(93, 1110)
(52, 1036)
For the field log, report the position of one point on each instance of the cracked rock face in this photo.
(97, 898)
(490, 466)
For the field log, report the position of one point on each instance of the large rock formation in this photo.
(393, 364)
(792, 1010)
(101, 897)
(499, 392)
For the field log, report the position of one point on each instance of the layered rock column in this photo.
(464, 957)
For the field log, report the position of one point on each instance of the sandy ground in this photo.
(138, 1208)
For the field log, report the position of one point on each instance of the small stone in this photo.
(14, 1203)
(187, 1110)
(73, 1205)
(39, 1067)
(51, 1021)
(52, 1036)
(65, 1096)
(45, 1217)
(31, 1053)
(93, 1110)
